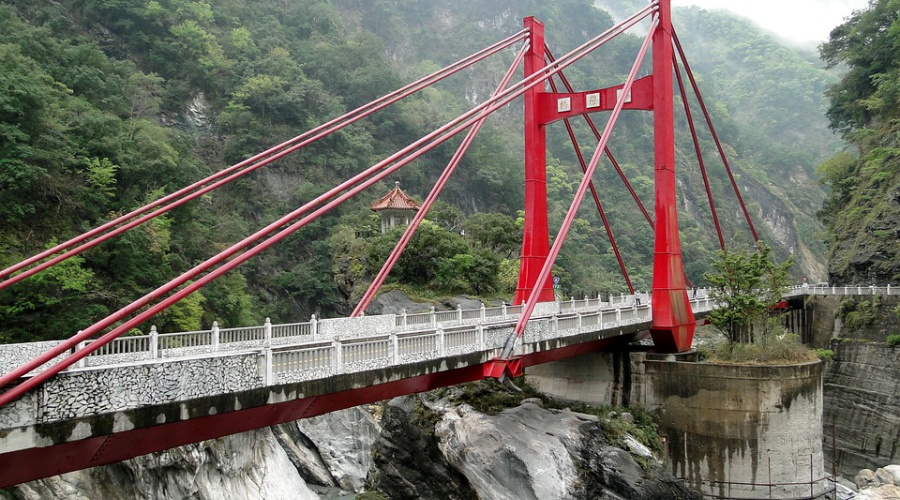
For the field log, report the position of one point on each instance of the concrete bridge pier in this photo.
(732, 431)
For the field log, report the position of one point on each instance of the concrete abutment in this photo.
(732, 431)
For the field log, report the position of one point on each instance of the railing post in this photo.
(154, 343)
(618, 315)
(555, 320)
(267, 361)
(215, 336)
(395, 348)
(313, 326)
(338, 356)
(484, 313)
(578, 315)
(481, 346)
(504, 309)
(433, 318)
(441, 346)
(267, 340)
(459, 313)
(81, 345)
(403, 315)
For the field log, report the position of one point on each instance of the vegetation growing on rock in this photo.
(862, 212)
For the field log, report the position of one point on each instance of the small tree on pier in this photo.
(746, 286)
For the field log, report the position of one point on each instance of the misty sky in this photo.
(798, 20)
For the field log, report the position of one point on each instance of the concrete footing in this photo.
(732, 431)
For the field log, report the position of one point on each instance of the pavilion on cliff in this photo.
(395, 208)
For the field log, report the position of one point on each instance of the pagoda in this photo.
(395, 208)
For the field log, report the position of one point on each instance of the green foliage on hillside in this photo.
(107, 105)
(863, 207)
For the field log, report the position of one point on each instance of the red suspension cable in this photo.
(609, 232)
(239, 169)
(715, 136)
(579, 195)
(460, 123)
(432, 196)
(690, 120)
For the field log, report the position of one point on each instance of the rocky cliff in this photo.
(408, 448)
(861, 394)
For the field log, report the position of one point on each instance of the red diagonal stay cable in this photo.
(712, 130)
(690, 120)
(269, 155)
(612, 159)
(579, 195)
(432, 196)
(609, 232)
(488, 107)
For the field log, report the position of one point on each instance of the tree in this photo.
(746, 285)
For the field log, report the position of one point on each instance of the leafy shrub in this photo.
(893, 340)
(825, 354)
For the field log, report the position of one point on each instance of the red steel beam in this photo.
(612, 159)
(609, 232)
(536, 232)
(519, 329)
(673, 321)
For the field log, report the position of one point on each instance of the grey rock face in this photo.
(248, 466)
(521, 453)
(344, 441)
(862, 406)
(408, 462)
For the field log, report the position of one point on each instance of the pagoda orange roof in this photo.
(396, 199)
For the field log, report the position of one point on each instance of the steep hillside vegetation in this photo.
(105, 105)
(863, 209)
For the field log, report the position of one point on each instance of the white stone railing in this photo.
(311, 334)
(326, 348)
(842, 290)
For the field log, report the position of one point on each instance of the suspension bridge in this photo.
(99, 397)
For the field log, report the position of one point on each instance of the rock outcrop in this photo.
(250, 465)
(526, 452)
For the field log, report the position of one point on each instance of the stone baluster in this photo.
(267, 339)
(154, 342)
(337, 359)
(215, 336)
(81, 345)
(267, 366)
(313, 326)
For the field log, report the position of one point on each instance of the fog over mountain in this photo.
(800, 21)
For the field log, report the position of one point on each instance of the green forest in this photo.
(106, 105)
(862, 211)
